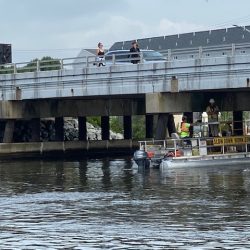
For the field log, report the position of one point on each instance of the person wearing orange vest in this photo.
(185, 132)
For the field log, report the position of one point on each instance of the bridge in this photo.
(81, 89)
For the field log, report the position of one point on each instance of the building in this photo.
(191, 45)
(81, 60)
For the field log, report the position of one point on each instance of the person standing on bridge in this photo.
(100, 54)
(135, 52)
(213, 112)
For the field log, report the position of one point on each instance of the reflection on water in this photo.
(109, 204)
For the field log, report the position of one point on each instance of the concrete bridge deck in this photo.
(216, 73)
(164, 88)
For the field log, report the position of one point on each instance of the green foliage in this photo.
(6, 70)
(46, 63)
(116, 124)
(246, 115)
(226, 116)
(94, 120)
(138, 126)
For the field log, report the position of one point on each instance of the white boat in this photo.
(201, 152)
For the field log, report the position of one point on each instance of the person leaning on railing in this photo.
(135, 52)
(100, 54)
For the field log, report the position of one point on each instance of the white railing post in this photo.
(87, 62)
(200, 52)
(113, 59)
(38, 65)
(15, 69)
(61, 64)
(141, 57)
(233, 49)
(169, 54)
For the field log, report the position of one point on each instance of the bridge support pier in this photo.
(171, 124)
(127, 126)
(165, 121)
(8, 131)
(190, 119)
(82, 128)
(35, 129)
(149, 126)
(105, 127)
(237, 123)
(59, 129)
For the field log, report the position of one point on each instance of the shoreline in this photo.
(67, 149)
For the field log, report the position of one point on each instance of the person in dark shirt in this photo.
(135, 52)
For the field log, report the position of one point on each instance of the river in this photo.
(109, 204)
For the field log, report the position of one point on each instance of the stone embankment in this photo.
(23, 131)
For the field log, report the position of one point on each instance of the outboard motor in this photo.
(141, 159)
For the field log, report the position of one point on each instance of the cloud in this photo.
(61, 24)
(167, 27)
(82, 33)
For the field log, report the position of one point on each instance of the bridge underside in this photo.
(153, 103)
(29, 109)
(196, 101)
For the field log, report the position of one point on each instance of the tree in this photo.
(46, 63)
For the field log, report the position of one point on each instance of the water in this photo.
(109, 204)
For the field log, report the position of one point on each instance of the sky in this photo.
(61, 28)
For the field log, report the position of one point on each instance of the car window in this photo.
(119, 55)
(152, 55)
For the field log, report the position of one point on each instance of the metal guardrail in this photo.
(92, 61)
(226, 145)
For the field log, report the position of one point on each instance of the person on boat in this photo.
(185, 129)
(213, 112)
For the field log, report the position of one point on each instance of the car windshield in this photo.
(153, 55)
(119, 55)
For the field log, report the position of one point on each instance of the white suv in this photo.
(124, 57)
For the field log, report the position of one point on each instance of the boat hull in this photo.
(206, 161)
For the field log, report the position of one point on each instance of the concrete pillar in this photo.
(82, 128)
(127, 127)
(105, 127)
(8, 131)
(35, 130)
(190, 119)
(171, 124)
(161, 127)
(237, 123)
(149, 126)
(59, 129)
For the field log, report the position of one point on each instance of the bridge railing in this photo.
(205, 51)
(92, 61)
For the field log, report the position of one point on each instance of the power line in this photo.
(229, 22)
(56, 49)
